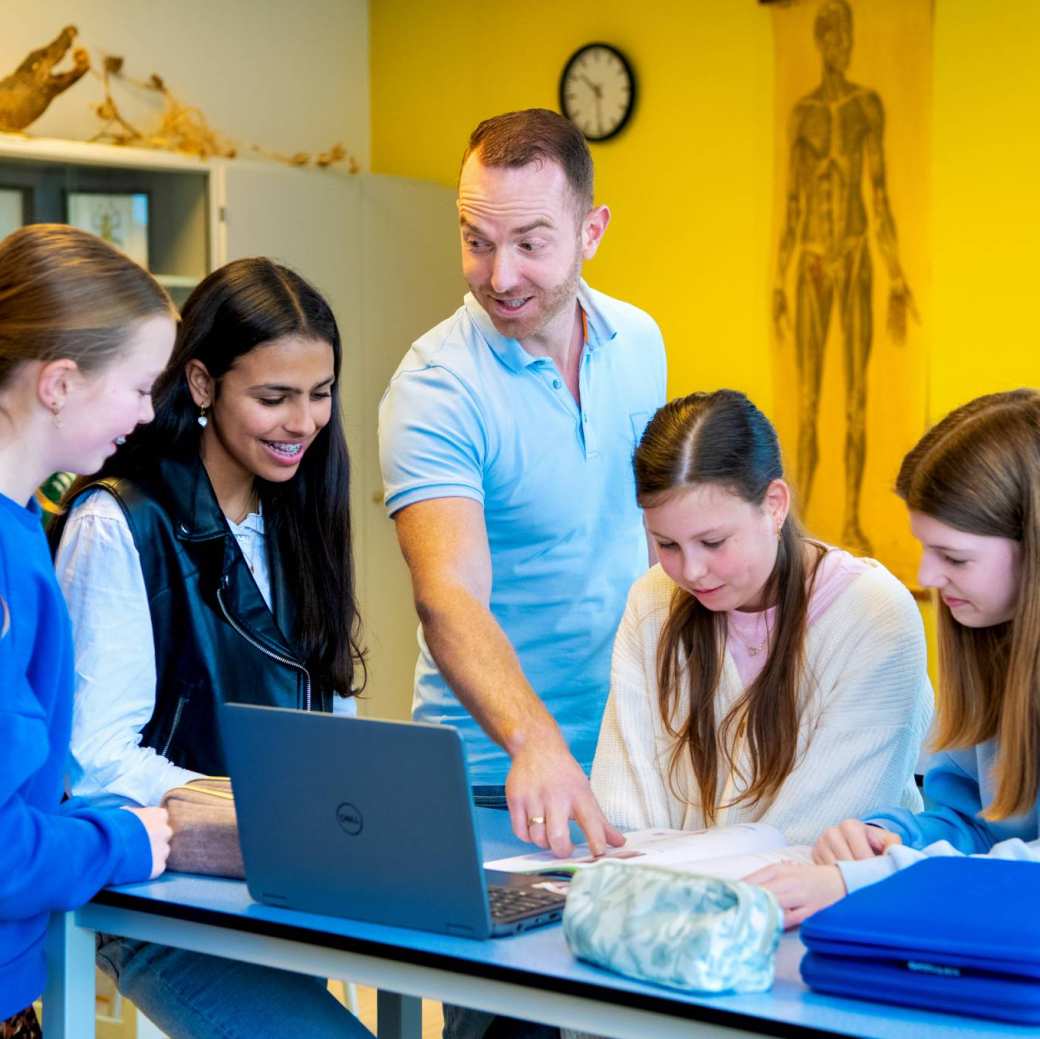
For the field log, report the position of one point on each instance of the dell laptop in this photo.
(370, 820)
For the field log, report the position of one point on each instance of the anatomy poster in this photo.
(849, 273)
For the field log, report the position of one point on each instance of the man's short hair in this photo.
(519, 138)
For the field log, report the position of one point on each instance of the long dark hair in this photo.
(722, 438)
(978, 471)
(242, 305)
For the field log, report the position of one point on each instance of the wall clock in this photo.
(598, 91)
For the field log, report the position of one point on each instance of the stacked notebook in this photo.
(955, 934)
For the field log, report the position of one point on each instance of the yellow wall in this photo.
(986, 201)
(985, 206)
(688, 182)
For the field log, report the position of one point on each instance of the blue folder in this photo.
(959, 935)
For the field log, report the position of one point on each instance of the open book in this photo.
(723, 851)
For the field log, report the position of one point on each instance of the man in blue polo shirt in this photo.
(506, 438)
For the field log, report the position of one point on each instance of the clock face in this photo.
(597, 91)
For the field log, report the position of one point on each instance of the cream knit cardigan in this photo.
(867, 707)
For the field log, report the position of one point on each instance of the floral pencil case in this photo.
(683, 930)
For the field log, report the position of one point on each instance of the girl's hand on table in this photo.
(800, 888)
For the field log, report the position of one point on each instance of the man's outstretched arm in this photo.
(445, 544)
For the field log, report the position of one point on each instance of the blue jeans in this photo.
(464, 1023)
(190, 995)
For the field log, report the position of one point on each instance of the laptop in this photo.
(370, 820)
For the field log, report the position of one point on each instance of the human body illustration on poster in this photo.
(849, 356)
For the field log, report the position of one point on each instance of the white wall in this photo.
(290, 75)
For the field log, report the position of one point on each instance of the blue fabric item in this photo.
(951, 934)
(471, 414)
(55, 857)
(190, 995)
(674, 928)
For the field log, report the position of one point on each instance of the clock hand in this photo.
(596, 88)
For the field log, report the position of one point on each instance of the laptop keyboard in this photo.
(509, 903)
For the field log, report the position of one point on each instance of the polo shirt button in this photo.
(556, 384)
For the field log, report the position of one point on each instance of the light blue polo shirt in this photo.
(471, 414)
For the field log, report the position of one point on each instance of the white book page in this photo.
(677, 849)
(737, 867)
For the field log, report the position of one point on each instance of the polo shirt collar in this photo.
(513, 355)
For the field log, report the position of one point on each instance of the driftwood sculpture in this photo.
(181, 128)
(26, 93)
(184, 128)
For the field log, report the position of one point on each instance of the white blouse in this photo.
(99, 571)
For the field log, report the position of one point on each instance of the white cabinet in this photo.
(384, 251)
(411, 281)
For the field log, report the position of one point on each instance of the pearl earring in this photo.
(202, 420)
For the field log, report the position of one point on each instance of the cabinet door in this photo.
(310, 221)
(412, 280)
(385, 252)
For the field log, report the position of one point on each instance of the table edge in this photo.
(488, 971)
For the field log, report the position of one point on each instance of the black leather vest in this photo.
(215, 638)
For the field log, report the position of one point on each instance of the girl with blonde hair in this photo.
(972, 487)
(84, 333)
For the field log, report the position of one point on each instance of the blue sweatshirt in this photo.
(958, 787)
(52, 858)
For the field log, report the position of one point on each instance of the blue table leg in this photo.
(68, 1000)
(399, 1017)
